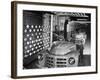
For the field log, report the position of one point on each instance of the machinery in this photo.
(62, 54)
(65, 53)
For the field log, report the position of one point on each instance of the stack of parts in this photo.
(35, 39)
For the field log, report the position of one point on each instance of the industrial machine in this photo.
(65, 53)
(62, 54)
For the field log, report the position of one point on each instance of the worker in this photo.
(80, 39)
(65, 28)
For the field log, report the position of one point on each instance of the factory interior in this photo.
(54, 39)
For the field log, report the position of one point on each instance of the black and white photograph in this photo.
(56, 39)
(53, 39)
